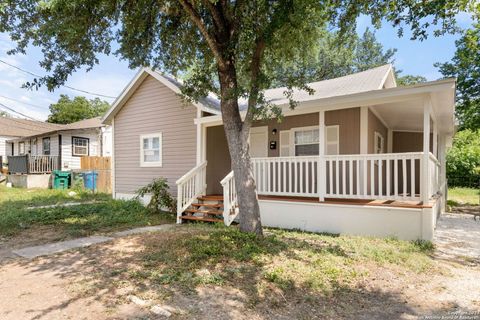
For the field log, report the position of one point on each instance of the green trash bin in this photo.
(61, 179)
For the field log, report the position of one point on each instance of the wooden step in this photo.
(205, 219)
(214, 213)
(209, 205)
(211, 198)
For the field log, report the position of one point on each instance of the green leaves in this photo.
(463, 159)
(67, 110)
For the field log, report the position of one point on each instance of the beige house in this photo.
(359, 156)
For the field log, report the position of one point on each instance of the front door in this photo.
(259, 142)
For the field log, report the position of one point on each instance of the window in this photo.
(80, 146)
(151, 150)
(305, 141)
(21, 148)
(379, 143)
(332, 138)
(46, 146)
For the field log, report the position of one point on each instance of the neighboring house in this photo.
(12, 128)
(62, 146)
(359, 156)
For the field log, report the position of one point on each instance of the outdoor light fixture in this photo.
(274, 131)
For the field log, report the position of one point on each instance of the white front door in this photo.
(259, 142)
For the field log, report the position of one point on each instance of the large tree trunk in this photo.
(237, 140)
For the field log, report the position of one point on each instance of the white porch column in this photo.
(363, 130)
(390, 141)
(199, 138)
(425, 173)
(322, 168)
(443, 170)
(435, 138)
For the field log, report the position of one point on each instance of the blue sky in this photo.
(112, 75)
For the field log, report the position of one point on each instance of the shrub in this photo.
(160, 196)
(463, 159)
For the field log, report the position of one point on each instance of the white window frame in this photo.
(292, 137)
(43, 146)
(144, 163)
(377, 135)
(336, 142)
(74, 153)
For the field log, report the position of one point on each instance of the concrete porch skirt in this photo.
(41, 181)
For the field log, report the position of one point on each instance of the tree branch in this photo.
(212, 43)
(254, 86)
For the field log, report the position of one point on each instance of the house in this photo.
(359, 156)
(13, 128)
(57, 147)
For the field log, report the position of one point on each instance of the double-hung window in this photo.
(306, 142)
(80, 146)
(46, 146)
(151, 150)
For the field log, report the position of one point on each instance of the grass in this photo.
(98, 213)
(463, 196)
(288, 261)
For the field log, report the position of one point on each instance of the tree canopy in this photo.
(465, 66)
(68, 110)
(463, 159)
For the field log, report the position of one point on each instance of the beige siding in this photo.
(375, 125)
(348, 121)
(218, 157)
(153, 108)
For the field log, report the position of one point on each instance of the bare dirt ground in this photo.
(85, 284)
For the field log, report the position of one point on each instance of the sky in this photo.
(111, 75)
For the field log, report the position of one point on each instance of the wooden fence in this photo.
(102, 166)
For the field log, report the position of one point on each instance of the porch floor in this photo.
(354, 202)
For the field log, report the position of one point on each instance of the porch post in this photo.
(425, 174)
(363, 130)
(443, 173)
(435, 138)
(322, 172)
(199, 137)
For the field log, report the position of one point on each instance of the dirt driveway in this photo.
(73, 285)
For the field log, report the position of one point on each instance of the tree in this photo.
(230, 45)
(67, 110)
(4, 114)
(465, 66)
(463, 159)
(336, 58)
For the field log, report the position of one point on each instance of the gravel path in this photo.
(458, 237)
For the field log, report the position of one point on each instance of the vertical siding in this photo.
(375, 125)
(153, 108)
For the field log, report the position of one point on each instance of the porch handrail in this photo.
(230, 203)
(42, 163)
(190, 186)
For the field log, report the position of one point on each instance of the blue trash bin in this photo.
(90, 180)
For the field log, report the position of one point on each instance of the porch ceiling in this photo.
(408, 114)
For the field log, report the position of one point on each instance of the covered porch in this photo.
(377, 150)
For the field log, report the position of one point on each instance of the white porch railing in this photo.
(391, 176)
(286, 176)
(42, 164)
(230, 204)
(189, 187)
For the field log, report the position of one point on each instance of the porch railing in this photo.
(230, 205)
(388, 176)
(28, 164)
(189, 187)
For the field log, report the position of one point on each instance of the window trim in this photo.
(73, 147)
(377, 135)
(292, 137)
(49, 146)
(158, 163)
(20, 144)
